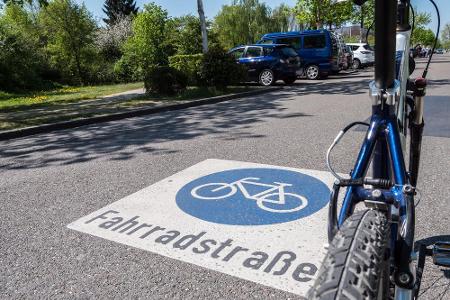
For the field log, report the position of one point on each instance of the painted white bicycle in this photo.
(274, 195)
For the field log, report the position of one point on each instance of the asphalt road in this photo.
(50, 180)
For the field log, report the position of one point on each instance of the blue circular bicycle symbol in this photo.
(256, 196)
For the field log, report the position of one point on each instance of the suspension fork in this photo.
(416, 129)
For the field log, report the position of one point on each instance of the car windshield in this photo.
(288, 51)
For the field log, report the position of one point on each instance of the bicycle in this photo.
(371, 252)
(262, 198)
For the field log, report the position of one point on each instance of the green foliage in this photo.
(21, 60)
(323, 13)
(423, 36)
(69, 31)
(189, 65)
(445, 36)
(124, 70)
(365, 14)
(243, 22)
(281, 18)
(183, 35)
(165, 80)
(219, 69)
(145, 48)
(117, 9)
(421, 19)
(22, 2)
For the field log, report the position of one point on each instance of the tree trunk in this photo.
(361, 35)
(201, 14)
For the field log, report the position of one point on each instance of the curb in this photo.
(27, 131)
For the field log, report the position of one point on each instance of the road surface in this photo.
(50, 180)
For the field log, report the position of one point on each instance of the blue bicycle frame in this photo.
(383, 147)
(397, 110)
(385, 140)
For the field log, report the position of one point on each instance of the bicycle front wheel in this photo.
(356, 265)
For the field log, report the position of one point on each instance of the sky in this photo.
(212, 7)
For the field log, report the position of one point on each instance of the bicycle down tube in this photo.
(383, 145)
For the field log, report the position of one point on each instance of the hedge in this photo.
(188, 64)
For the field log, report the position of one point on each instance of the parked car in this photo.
(363, 55)
(439, 51)
(268, 63)
(317, 48)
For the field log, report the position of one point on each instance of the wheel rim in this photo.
(312, 72)
(355, 64)
(266, 77)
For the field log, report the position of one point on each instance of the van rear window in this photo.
(294, 42)
(314, 41)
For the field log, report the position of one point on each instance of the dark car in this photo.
(268, 63)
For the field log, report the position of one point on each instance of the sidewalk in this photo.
(53, 112)
(56, 116)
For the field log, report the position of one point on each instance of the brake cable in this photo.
(335, 142)
(425, 71)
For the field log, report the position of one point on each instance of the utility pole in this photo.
(201, 14)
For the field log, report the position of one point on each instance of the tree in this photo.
(445, 36)
(281, 18)
(22, 2)
(116, 9)
(317, 14)
(183, 35)
(365, 16)
(69, 30)
(421, 34)
(201, 14)
(145, 48)
(110, 39)
(243, 22)
(21, 59)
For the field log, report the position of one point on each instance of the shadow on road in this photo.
(344, 86)
(122, 140)
(439, 286)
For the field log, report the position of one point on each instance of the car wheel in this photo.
(290, 80)
(312, 72)
(266, 77)
(356, 64)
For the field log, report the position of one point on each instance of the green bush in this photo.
(165, 80)
(21, 59)
(189, 65)
(125, 70)
(219, 69)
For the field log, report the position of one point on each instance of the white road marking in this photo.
(284, 255)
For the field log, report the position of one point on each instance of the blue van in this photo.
(318, 50)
